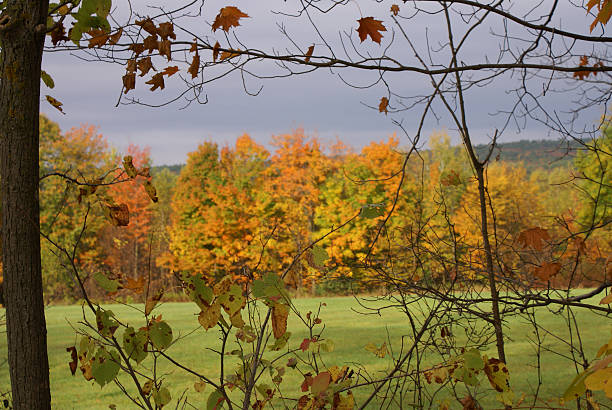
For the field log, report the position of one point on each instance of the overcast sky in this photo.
(319, 102)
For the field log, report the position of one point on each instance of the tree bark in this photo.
(22, 34)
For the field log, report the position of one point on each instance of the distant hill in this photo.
(545, 154)
(175, 169)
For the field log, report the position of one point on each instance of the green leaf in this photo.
(105, 322)
(232, 300)
(215, 400)
(47, 79)
(319, 255)
(105, 366)
(134, 344)
(576, 388)
(280, 342)
(160, 334)
(162, 396)
(103, 8)
(327, 346)
(372, 211)
(197, 290)
(270, 285)
(106, 283)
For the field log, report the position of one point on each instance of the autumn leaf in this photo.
(157, 81)
(309, 53)
(135, 285)
(320, 383)
(379, 352)
(194, 46)
(153, 301)
(228, 17)
(144, 65)
(58, 34)
(150, 43)
(165, 49)
(166, 30)
(547, 270)
(128, 166)
(195, 66)
(131, 65)
(73, 359)
(55, 103)
(47, 79)
(216, 51)
(368, 26)
(535, 238)
(170, 71)
(305, 344)
(137, 48)
(382, 107)
(604, 11)
(98, 38)
(606, 300)
(150, 190)
(209, 316)
(280, 312)
(395, 9)
(228, 54)
(114, 39)
(119, 215)
(147, 25)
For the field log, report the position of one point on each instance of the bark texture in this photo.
(22, 31)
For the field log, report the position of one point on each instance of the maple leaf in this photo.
(150, 43)
(368, 26)
(382, 107)
(309, 53)
(534, 237)
(147, 25)
(165, 49)
(114, 39)
(547, 270)
(137, 48)
(228, 54)
(135, 285)
(98, 38)
(129, 82)
(195, 66)
(144, 65)
(228, 17)
(157, 81)
(395, 9)
(55, 103)
(170, 71)
(216, 51)
(166, 30)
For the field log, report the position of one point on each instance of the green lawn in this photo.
(349, 330)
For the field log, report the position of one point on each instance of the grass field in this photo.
(349, 330)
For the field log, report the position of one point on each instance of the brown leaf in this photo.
(384, 103)
(320, 383)
(137, 48)
(195, 66)
(533, 237)
(157, 81)
(280, 312)
(228, 17)
(170, 71)
(468, 403)
(55, 103)
(395, 9)
(144, 65)
(165, 49)
(368, 26)
(150, 190)
(130, 66)
(147, 25)
(152, 301)
(166, 30)
(73, 359)
(228, 54)
(128, 166)
(307, 382)
(194, 46)
(58, 34)
(547, 270)
(98, 38)
(119, 214)
(150, 43)
(129, 82)
(309, 53)
(114, 39)
(216, 51)
(135, 285)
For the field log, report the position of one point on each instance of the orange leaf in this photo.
(170, 71)
(195, 66)
(368, 26)
(129, 82)
(228, 17)
(157, 81)
(309, 53)
(395, 9)
(216, 51)
(382, 107)
(228, 54)
(98, 38)
(534, 237)
(144, 65)
(166, 30)
(547, 270)
(194, 46)
(114, 39)
(136, 286)
(165, 49)
(55, 103)
(607, 300)
(147, 25)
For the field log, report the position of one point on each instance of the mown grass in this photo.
(349, 330)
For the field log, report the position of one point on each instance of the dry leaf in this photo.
(165, 49)
(547, 270)
(58, 34)
(606, 300)
(228, 54)
(150, 190)
(150, 43)
(382, 107)
(533, 237)
(195, 66)
(130, 66)
(153, 301)
(98, 38)
(170, 71)
(194, 46)
(55, 103)
(135, 285)
(157, 81)
(119, 214)
(309, 53)
(129, 82)
(228, 17)
(395, 9)
(280, 312)
(368, 26)
(114, 39)
(166, 30)
(147, 25)
(73, 359)
(137, 48)
(144, 65)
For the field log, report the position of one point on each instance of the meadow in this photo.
(349, 329)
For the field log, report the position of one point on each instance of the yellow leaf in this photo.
(598, 379)
(379, 352)
(209, 317)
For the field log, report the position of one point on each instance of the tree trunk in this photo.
(22, 31)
